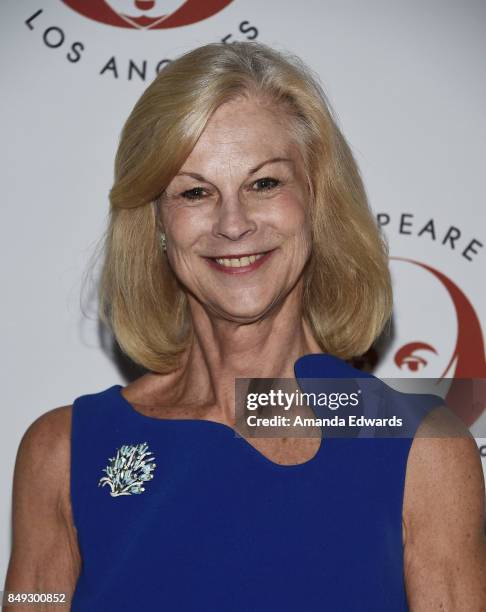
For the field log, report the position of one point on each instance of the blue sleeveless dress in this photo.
(202, 521)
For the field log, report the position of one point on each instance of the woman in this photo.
(240, 245)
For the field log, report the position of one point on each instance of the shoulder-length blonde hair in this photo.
(347, 290)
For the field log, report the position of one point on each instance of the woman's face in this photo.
(236, 216)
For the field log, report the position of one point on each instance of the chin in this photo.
(242, 313)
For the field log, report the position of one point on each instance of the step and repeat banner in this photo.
(406, 80)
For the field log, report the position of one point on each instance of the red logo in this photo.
(465, 365)
(467, 393)
(147, 14)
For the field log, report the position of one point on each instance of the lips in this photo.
(237, 264)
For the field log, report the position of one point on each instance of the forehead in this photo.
(244, 130)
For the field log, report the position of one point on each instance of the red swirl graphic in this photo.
(191, 11)
(467, 394)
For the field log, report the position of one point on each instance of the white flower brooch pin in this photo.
(129, 470)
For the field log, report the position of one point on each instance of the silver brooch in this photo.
(129, 470)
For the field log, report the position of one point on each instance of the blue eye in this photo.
(268, 183)
(193, 194)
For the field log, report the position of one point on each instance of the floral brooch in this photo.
(129, 470)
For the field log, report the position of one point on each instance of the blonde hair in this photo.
(347, 295)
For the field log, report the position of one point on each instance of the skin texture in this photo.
(444, 520)
(250, 325)
(45, 555)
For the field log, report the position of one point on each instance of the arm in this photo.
(444, 521)
(45, 555)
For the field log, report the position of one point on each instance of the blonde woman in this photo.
(240, 245)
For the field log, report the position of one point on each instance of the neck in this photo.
(223, 350)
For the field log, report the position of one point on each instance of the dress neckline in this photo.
(311, 365)
(191, 423)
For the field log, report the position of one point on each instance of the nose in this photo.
(233, 221)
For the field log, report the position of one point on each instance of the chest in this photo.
(242, 534)
(223, 522)
(282, 446)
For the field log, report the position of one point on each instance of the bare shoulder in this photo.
(44, 451)
(444, 517)
(444, 453)
(45, 554)
(443, 463)
(49, 431)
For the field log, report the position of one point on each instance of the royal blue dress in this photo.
(183, 515)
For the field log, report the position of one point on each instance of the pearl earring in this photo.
(163, 241)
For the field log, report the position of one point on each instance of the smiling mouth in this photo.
(240, 263)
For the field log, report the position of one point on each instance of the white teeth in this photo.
(239, 262)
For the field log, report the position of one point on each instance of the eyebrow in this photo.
(273, 160)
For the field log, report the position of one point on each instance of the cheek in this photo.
(289, 217)
(184, 226)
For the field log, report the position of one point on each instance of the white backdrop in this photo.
(407, 82)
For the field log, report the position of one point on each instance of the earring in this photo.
(163, 241)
